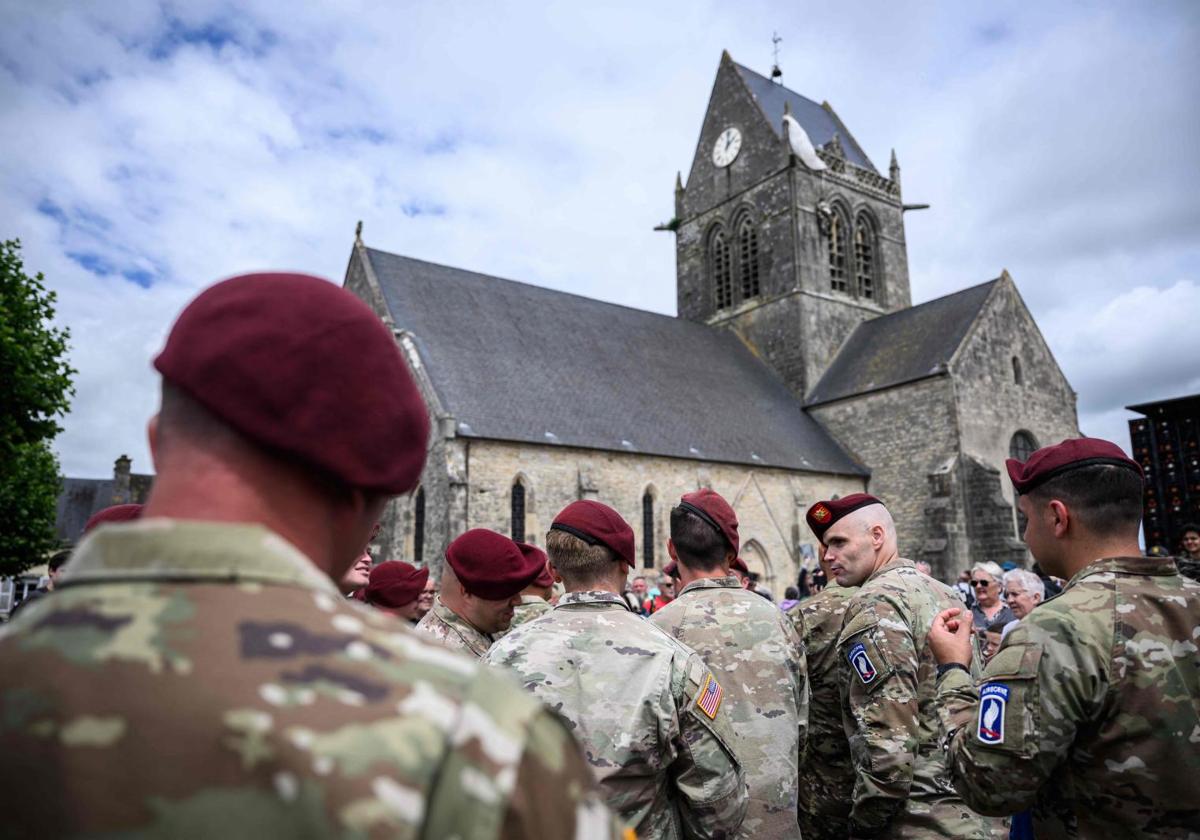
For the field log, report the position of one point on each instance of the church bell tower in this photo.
(785, 231)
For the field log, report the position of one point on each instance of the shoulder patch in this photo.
(862, 664)
(709, 697)
(993, 698)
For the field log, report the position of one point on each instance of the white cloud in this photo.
(179, 143)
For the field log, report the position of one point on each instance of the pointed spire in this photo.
(894, 170)
(678, 181)
(358, 233)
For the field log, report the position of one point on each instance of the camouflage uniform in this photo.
(759, 659)
(888, 684)
(531, 607)
(1188, 567)
(826, 772)
(453, 631)
(632, 695)
(203, 680)
(1090, 711)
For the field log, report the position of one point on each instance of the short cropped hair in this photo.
(578, 563)
(1025, 580)
(1189, 526)
(998, 625)
(699, 545)
(58, 559)
(1105, 498)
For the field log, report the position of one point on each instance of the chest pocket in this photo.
(866, 658)
(1009, 704)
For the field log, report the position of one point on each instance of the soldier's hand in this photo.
(950, 637)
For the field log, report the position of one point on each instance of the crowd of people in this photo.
(227, 660)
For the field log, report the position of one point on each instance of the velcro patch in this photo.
(993, 700)
(862, 664)
(709, 698)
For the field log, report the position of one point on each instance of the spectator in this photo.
(426, 598)
(357, 577)
(1189, 557)
(53, 569)
(1023, 590)
(992, 638)
(637, 595)
(819, 581)
(989, 603)
(1052, 586)
(802, 588)
(963, 587)
(666, 593)
(791, 597)
(924, 568)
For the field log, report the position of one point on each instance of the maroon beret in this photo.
(823, 514)
(597, 524)
(739, 565)
(1050, 461)
(713, 509)
(671, 569)
(545, 578)
(491, 566)
(394, 583)
(116, 513)
(305, 368)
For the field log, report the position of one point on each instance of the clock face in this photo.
(727, 146)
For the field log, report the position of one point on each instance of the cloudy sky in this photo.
(148, 149)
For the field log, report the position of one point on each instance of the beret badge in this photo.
(820, 513)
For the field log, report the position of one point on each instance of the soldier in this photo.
(1088, 712)
(198, 673)
(393, 587)
(753, 647)
(653, 719)
(482, 581)
(826, 772)
(887, 677)
(535, 598)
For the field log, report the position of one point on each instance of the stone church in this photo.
(797, 367)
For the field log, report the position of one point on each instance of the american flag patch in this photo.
(709, 698)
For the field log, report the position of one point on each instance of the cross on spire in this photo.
(776, 72)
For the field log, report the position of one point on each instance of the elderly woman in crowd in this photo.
(989, 602)
(1023, 590)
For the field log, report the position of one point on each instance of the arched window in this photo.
(518, 511)
(864, 256)
(748, 258)
(419, 527)
(720, 269)
(1022, 446)
(647, 530)
(1018, 377)
(837, 250)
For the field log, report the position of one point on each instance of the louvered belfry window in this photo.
(748, 258)
(864, 257)
(720, 262)
(837, 252)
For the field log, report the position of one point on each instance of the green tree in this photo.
(35, 392)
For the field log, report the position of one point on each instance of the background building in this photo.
(796, 369)
(1167, 445)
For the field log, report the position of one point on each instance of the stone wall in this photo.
(902, 434)
(770, 503)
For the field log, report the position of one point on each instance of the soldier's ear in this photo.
(671, 550)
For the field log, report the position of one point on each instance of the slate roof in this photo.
(81, 497)
(511, 361)
(902, 346)
(820, 124)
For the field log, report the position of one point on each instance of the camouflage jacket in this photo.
(531, 607)
(888, 682)
(826, 773)
(759, 659)
(203, 680)
(1089, 710)
(1188, 567)
(651, 717)
(453, 631)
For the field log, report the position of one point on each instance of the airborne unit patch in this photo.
(709, 698)
(820, 512)
(993, 698)
(862, 664)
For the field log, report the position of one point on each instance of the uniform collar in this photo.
(1159, 566)
(891, 566)
(592, 597)
(186, 550)
(460, 625)
(728, 582)
(534, 599)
